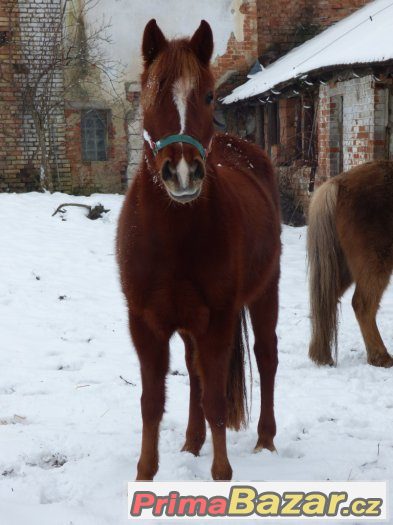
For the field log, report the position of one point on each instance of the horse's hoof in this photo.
(192, 447)
(322, 361)
(382, 360)
(265, 444)
(146, 472)
(143, 477)
(222, 473)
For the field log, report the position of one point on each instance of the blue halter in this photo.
(186, 139)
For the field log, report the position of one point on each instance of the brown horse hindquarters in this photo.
(350, 238)
(364, 220)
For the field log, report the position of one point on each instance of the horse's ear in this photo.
(153, 42)
(202, 42)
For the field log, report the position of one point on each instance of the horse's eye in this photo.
(209, 97)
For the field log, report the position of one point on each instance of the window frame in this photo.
(92, 135)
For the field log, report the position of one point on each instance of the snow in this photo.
(364, 37)
(70, 427)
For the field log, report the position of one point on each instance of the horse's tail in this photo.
(328, 272)
(237, 405)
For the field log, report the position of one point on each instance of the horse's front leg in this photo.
(214, 352)
(153, 353)
(196, 428)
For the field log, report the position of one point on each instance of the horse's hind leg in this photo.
(365, 302)
(196, 428)
(153, 353)
(264, 313)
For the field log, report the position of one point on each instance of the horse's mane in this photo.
(177, 60)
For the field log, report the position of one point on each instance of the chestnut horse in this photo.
(198, 241)
(350, 240)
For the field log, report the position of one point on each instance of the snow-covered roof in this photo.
(364, 37)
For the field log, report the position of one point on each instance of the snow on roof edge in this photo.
(362, 35)
(291, 80)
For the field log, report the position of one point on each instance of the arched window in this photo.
(94, 128)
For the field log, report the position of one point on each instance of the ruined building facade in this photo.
(91, 140)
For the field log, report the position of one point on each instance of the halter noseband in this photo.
(172, 139)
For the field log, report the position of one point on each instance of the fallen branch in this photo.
(94, 212)
(128, 382)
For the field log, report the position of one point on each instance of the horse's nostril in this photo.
(199, 171)
(166, 171)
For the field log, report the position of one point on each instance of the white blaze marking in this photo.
(147, 137)
(183, 173)
(181, 90)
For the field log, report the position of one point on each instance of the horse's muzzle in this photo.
(183, 181)
(185, 197)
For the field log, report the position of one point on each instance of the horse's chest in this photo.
(178, 289)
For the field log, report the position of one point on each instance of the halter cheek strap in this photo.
(172, 139)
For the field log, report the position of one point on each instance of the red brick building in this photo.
(327, 105)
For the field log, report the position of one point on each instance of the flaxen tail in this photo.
(237, 405)
(328, 273)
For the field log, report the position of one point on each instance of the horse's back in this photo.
(246, 159)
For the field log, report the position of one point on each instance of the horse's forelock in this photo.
(178, 61)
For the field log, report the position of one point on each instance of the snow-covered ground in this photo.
(70, 424)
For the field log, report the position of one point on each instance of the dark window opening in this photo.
(336, 135)
(94, 128)
(309, 134)
(298, 129)
(273, 123)
(5, 38)
(260, 126)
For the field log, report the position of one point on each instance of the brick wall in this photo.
(100, 92)
(282, 24)
(11, 151)
(361, 136)
(25, 56)
(230, 69)
(107, 176)
(381, 142)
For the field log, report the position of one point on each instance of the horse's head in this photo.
(177, 102)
